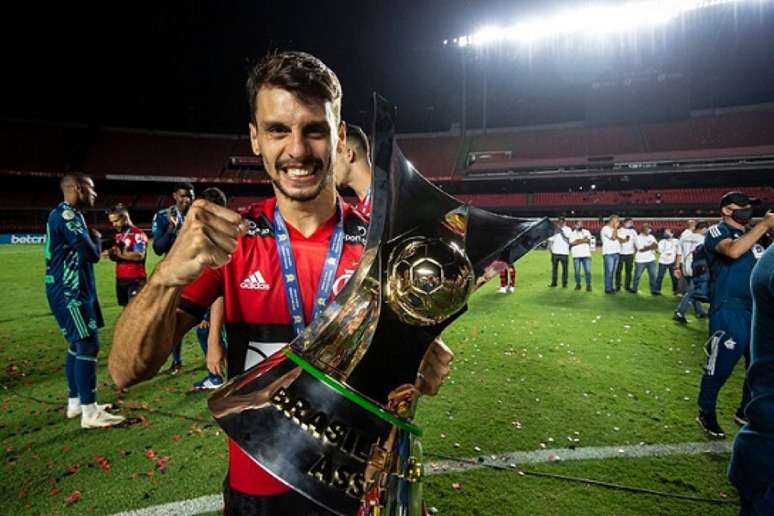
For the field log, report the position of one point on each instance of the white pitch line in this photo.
(564, 454)
(215, 502)
(199, 505)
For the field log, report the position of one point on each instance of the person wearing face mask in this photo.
(668, 249)
(580, 248)
(732, 251)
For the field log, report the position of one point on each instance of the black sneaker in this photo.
(577, 287)
(710, 425)
(680, 318)
(739, 418)
(552, 285)
(174, 368)
(588, 288)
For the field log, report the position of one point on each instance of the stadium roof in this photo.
(160, 66)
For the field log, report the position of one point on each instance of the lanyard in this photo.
(290, 273)
(367, 202)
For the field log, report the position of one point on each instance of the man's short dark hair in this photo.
(701, 224)
(182, 186)
(357, 138)
(78, 178)
(214, 195)
(628, 219)
(297, 72)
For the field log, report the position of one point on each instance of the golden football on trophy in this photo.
(428, 280)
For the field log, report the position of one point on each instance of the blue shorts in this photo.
(77, 320)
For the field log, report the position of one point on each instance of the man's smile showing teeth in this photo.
(298, 172)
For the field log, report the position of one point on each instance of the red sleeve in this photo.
(199, 295)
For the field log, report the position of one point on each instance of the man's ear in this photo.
(351, 156)
(254, 140)
(342, 145)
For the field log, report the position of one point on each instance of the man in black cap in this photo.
(732, 251)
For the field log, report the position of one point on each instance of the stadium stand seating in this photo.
(434, 155)
(148, 154)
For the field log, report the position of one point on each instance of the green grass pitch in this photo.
(607, 370)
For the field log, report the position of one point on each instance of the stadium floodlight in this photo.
(595, 20)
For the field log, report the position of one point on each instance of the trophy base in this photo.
(312, 432)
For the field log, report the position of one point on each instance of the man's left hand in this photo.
(434, 368)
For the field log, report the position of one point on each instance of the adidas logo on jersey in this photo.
(255, 281)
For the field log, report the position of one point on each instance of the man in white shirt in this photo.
(626, 236)
(690, 227)
(580, 249)
(682, 283)
(611, 249)
(696, 284)
(559, 245)
(645, 258)
(668, 249)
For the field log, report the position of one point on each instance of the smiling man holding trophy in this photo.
(333, 322)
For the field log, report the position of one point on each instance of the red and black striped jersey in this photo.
(256, 312)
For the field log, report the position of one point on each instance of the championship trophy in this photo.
(325, 418)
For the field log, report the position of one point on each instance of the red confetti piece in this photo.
(55, 491)
(22, 493)
(73, 469)
(150, 453)
(177, 437)
(150, 473)
(74, 497)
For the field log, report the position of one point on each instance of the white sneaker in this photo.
(100, 419)
(74, 409)
(502, 290)
(511, 289)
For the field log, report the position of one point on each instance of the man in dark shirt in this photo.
(752, 462)
(167, 223)
(72, 249)
(731, 254)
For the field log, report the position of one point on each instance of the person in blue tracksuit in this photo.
(752, 461)
(167, 223)
(71, 251)
(731, 254)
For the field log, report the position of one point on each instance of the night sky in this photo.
(182, 65)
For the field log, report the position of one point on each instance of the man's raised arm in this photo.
(150, 325)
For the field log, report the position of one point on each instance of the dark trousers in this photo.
(625, 262)
(729, 341)
(556, 259)
(662, 269)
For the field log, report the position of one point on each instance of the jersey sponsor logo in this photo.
(359, 238)
(255, 281)
(757, 251)
(68, 215)
(254, 230)
(730, 344)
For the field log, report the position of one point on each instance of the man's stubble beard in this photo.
(307, 197)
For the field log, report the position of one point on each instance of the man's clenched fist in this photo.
(207, 239)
